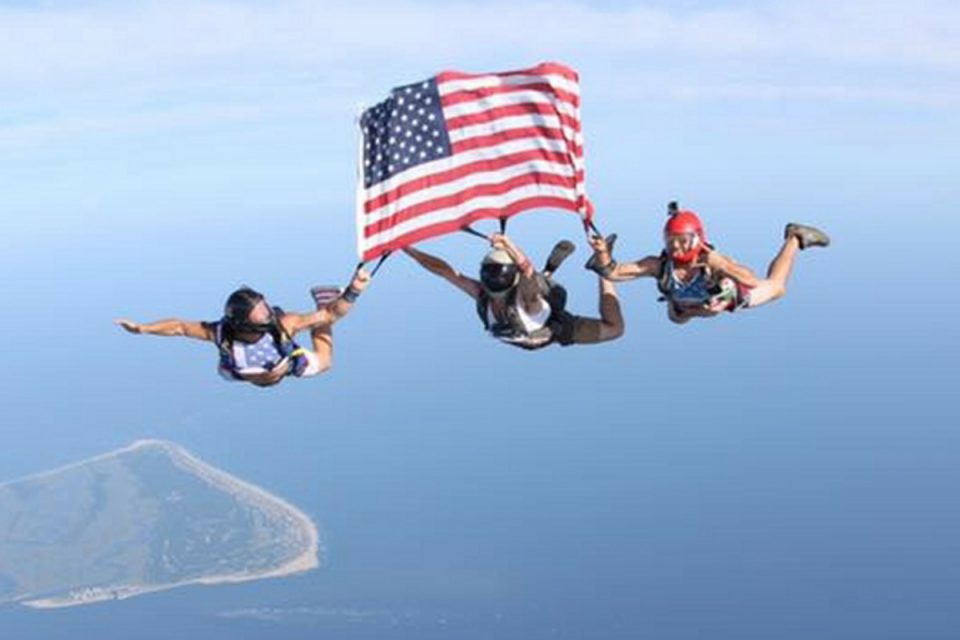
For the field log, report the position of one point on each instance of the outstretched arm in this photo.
(722, 264)
(438, 267)
(648, 267)
(331, 313)
(171, 327)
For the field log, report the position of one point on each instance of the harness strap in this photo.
(282, 340)
(512, 330)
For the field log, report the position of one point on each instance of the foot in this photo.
(324, 295)
(561, 251)
(593, 263)
(806, 236)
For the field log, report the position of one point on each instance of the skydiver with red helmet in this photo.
(694, 279)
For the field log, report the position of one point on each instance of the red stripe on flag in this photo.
(436, 179)
(424, 233)
(471, 95)
(497, 113)
(460, 197)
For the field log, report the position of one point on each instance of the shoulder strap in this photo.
(556, 296)
(483, 306)
(276, 327)
(544, 284)
(663, 285)
(286, 345)
(223, 338)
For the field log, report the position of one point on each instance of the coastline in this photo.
(245, 492)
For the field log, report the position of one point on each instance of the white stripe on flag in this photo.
(473, 180)
(509, 123)
(460, 159)
(506, 100)
(461, 210)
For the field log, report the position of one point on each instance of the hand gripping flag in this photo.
(439, 154)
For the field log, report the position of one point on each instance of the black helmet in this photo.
(236, 312)
(499, 273)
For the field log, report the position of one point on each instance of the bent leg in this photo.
(774, 286)
(322, 338)
(610, 313)
(609, 326)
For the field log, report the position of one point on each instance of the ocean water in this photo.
(788, 472)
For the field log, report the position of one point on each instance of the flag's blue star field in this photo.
(403, 131)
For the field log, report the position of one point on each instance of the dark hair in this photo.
(239, 305)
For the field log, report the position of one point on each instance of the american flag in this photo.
(439, 154)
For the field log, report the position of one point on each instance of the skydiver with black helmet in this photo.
(696, 280)
(523, 307)
(256, 340)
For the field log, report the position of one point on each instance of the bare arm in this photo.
(328, 315)
(727, 266)
(438, 267)
(173, 327)
(648, 267)
(294, 323)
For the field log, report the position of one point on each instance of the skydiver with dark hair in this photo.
(696, 280)
(526, 308)
(256, 340)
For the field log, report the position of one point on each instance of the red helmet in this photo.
(685, 223)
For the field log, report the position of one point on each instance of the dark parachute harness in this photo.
(511, 329)
(714, 289)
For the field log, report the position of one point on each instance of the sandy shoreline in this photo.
(247, 493)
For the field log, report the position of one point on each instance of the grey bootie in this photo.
(806, 236)
(561, 251)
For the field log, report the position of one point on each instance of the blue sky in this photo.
(797, 461)
(113, 104)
